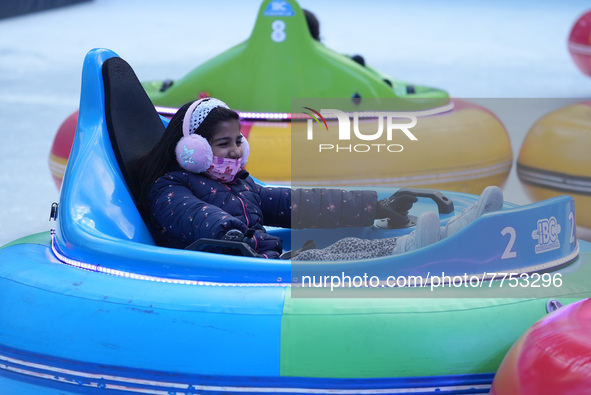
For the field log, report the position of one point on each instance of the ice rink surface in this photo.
(502, 50)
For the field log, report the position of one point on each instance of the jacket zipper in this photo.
(243, 206)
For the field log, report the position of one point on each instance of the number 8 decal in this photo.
(278, 34)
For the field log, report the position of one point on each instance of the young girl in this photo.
(193, 186)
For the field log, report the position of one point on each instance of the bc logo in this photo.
(547, 235)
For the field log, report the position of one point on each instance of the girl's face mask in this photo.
(224, 169)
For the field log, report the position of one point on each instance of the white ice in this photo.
(472, 49)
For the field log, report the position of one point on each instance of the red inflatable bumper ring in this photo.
(60, 150)
(552, 357)
(579, 43)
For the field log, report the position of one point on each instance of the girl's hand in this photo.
(395, 208)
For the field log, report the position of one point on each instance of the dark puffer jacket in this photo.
(186, 207)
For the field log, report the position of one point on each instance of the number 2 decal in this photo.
(571, 218)
(509, 253)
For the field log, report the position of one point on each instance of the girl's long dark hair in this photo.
(162, 158)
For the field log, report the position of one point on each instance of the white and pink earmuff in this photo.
(193, 152)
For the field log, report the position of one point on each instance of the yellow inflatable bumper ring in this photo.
(554, 158)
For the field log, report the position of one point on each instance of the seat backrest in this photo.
(132, 121)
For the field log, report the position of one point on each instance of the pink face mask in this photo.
(224, 169)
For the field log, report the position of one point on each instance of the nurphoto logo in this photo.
(388, 123)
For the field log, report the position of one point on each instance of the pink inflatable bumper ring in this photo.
(552, 357)
(579, 43)
(60, 150)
